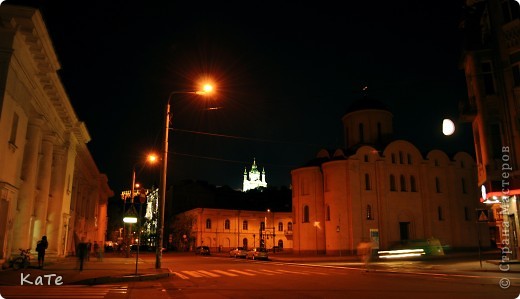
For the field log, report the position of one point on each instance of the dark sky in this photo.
(284, 73)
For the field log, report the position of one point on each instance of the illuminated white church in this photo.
(255, 179)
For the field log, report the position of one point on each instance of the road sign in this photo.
(482, 215)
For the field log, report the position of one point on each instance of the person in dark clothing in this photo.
(41, 246)
(82, 254)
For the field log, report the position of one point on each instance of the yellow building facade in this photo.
(223, 229)
(49, 182)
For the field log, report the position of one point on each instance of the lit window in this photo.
(227, 224)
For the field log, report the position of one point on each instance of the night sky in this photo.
(284, 74)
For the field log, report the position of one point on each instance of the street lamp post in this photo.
(162, 199)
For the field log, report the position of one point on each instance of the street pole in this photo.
(160, 222)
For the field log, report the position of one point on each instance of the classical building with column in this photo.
(381, 189)
(49, 182)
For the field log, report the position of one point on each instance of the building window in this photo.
(227, 224)
(208, 223)
(437, 185)
(393, 158)
(289, 226)
(327, 217)
(244, 225)
(463, 186)
(367, 182)
(280, 226)
(409, 158)
(369, 212)
(439, 213)
(413, 186)
(392, 183)
(401, 158)
(262, 225)
(366, 158)
(487, 77)
(306, 214)
(403, 183)
(14, 129)
(361, 133)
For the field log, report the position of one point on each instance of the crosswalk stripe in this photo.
(193, 273)
(293, 272)
(180, 275)
(207, 273)
(263, 271)
(242, 272)
(225, 273)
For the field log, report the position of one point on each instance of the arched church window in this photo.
(367, 181)
(327, 217)
(306, 214)
(244, 225)
(227, 224)
(392, 183)
(289, 226)
(280, 226)
(437, 185)
(208, 223)
(413, 186)
(369, 212)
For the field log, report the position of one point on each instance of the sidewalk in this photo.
(109, 270)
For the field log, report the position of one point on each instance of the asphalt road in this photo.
(224, 277)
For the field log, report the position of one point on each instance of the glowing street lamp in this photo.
(206, 89)
(151, 158)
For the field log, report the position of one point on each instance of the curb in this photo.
(112, 279)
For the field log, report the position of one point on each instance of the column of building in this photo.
(24, 219)
(43, 186)
(59, 198)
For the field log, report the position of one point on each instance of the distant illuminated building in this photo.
(255, 179)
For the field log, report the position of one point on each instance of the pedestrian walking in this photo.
(364, 251)
(41, 246)
(97, 251)
(82, 254)
(89, 249)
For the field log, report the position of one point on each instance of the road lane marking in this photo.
(293, 272)
(207, 273)
(180, 275)
(225, 273)
(266, 272)
(242, 272)
(193, 273)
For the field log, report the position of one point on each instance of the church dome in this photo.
(366, 103)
